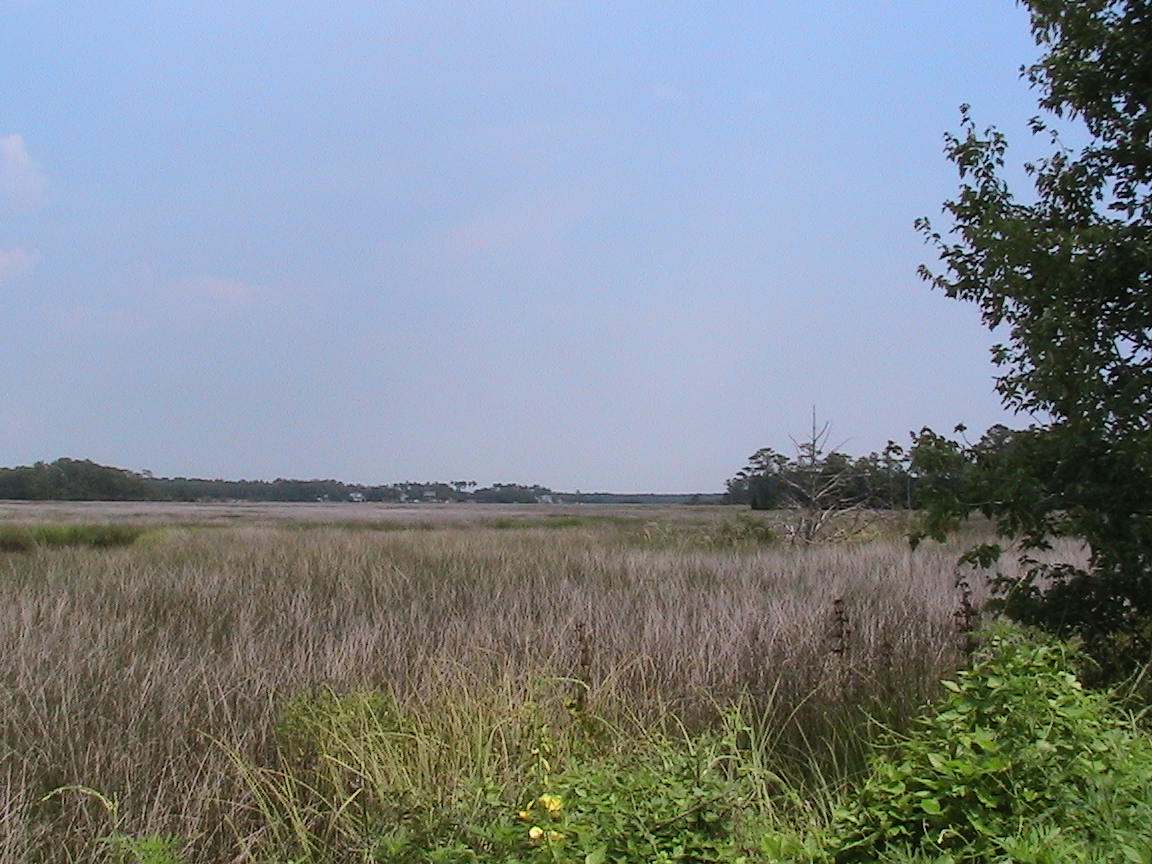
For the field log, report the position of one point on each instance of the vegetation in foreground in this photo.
(1016, 762)
(582, 690)
(182, 676)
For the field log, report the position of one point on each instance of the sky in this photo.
(613, 246)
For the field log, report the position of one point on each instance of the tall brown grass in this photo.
(145, 672)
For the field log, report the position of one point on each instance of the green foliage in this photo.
(150, 849)
(510, 493)
(1018, 758)
(72, 480)
(1066, 277)
(685, 800)
(24, 538)
(1034, 494)
(83, 480)
(828, 495)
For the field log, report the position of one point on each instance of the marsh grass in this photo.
(558, 521)
(152, 671)
(22, 538)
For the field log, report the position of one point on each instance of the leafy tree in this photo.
(510, 493)
(72, 480)
(1066, 275)
(760, 483)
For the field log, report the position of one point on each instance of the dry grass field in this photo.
(159, 673)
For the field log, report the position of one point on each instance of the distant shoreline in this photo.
(68, 479)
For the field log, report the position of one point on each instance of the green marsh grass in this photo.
(23, 538)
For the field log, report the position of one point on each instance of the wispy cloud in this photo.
(15, 263)
(156, 304)
(217, 294)
(526, 227)
(23, 181)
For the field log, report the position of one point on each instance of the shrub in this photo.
(672, 799)
(1017, 742)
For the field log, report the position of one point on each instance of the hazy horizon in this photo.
(611, 247)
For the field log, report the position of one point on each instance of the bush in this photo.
(1017, 742)
(670, 802)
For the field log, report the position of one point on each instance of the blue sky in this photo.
(594, 245)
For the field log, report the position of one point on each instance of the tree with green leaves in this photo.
(1065, 273)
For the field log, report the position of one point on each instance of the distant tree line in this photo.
(829, 480)
(84, 480)
(73, 480)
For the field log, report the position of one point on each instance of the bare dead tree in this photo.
(822, 505)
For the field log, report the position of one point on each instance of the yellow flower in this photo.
(555, 836)
(551, 803)
(524, 814)
(535, 832)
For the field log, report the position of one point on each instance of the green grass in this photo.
(24, 538)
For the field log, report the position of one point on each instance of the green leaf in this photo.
(931, 806)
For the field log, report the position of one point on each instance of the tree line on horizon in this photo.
(769, 481)
(68, 479)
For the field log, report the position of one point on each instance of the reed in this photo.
(151, 671)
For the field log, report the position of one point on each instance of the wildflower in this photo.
(524, 814)
(535, 832)
(555, 836)
(551, 803)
